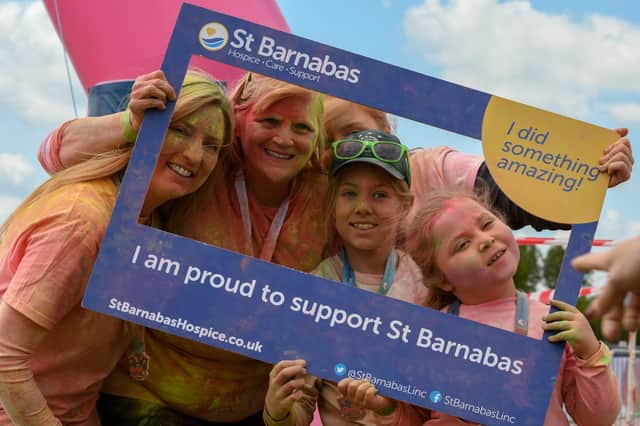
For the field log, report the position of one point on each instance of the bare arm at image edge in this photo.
(19, 393)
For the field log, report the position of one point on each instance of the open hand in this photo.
(572, 327)
(622, 262)
(149, 91)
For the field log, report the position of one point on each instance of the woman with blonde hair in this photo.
(54, 355)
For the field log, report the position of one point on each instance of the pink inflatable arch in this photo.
(117, 40)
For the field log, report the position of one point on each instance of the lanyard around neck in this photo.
(521, 325)
(269, 246)
(349, 276)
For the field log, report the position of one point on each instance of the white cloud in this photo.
(33, 79)
(627, 114)
(562, 234)
(612, 215)
(15, 167)
(511, 49)
(633, 228)
(610, 226)
(7, 205)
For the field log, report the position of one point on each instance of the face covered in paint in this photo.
(368, 210)
(188, 156)
(475, 251)
(277, 143)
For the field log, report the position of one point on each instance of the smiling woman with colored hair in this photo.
(54, 355)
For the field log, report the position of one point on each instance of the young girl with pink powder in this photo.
(468, 257)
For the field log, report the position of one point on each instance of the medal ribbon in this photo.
(269, 246)
(349, 276)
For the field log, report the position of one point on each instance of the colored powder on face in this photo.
(203, 114)
(437, 244)
(173, 142)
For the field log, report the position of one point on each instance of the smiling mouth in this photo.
(179, 170)
(278, 155)
(495, 257)
(363, 226)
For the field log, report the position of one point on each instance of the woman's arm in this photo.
(617, 161)
(78, 140)
(515, 216)
(51, 248)
(444, 167)
(19, 393)
(81, 139)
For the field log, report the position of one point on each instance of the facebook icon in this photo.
(435, 396)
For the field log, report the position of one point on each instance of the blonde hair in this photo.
(334, 108)
(198, 89)
(257, 92)
(334, 242)
(422, 246)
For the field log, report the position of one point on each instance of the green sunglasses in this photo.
(387, 151)
(393, 156)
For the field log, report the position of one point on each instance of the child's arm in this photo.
(589, 387)
(291, 397)
(388, 411)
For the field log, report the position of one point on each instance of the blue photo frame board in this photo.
(252, 307)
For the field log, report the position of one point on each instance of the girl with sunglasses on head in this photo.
(368, 198)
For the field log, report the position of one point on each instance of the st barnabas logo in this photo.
(213, 36)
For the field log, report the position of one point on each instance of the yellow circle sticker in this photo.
(546, 163)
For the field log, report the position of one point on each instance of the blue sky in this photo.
(577, 58)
